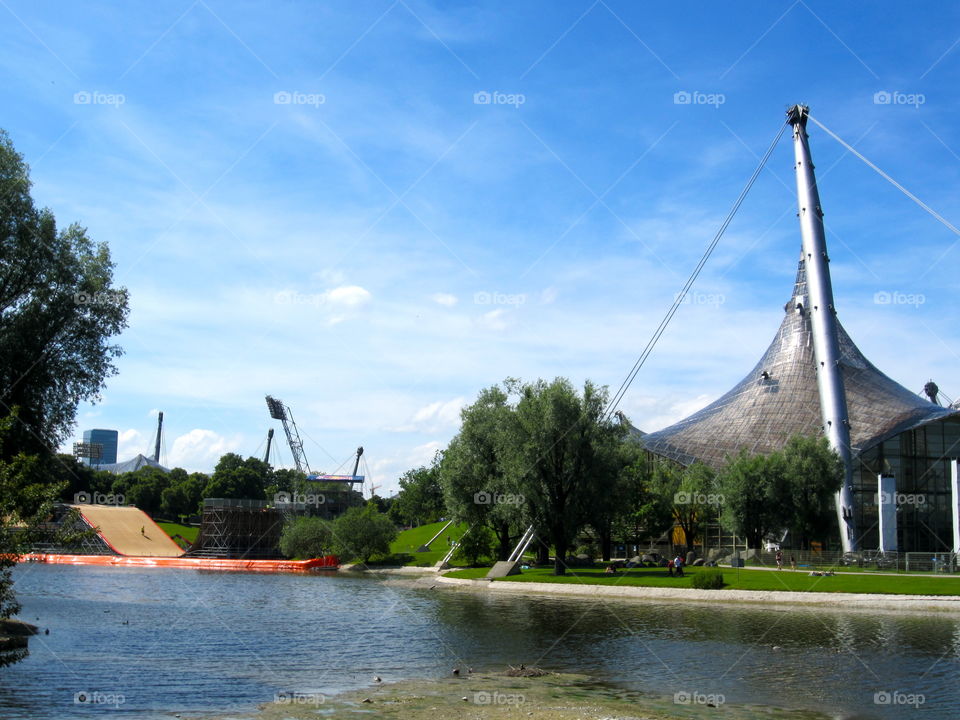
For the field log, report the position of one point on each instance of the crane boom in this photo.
(281, 412)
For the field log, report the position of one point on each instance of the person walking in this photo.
(779, 559)
(793, 562)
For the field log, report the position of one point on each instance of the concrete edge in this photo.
(729, 597)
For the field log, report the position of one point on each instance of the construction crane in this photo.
(281, 412)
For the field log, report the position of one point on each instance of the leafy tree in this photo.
(474, 469)
(754, 490)
(620, 456)
(691, 494)
(645, 512)
(420, 500)
(143, 487)
(306, 537)
(77, 477)
(184, 495)
(362, 532)
(475, 544)
(234, 477)
(561, 456)
(58, 310)
(813, 474)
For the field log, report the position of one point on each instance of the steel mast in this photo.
(823, 321)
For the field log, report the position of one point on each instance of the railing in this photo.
(862, 561)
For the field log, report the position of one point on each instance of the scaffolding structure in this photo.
(245, 529)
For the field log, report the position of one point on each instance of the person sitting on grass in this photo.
(611, 570)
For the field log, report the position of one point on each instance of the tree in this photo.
(306, 537)
(362, 532)
(475, 544)
(690, 493)
(621, 457)
(234, 477)
(473, 471)
(143, 487)
(561, 456)
(184, 495)
(754, 492)
(58, 311)
(813, 475)
(645, 512)
(420, 499)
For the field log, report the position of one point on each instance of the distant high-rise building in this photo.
(105, 438)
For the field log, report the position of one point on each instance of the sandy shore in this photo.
(487, 696)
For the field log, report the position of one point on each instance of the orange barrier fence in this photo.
(328, 562)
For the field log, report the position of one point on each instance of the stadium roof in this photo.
(130, 465)
(779, 398)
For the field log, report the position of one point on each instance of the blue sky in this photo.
(314, 200)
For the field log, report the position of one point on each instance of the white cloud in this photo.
(201, 449)
(347, 296)
(130, 443)
(445, 299)
(494, 320)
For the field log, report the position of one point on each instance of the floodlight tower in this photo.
(266, 455)
(156, 447)
(281, 412)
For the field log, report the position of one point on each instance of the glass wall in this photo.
(920, 461)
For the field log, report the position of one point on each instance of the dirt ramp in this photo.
(129, 531)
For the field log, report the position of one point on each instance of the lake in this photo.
(150, 643)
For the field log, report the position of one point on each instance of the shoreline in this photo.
(735, 598)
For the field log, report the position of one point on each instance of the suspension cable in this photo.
(886, 177)
(651, 344)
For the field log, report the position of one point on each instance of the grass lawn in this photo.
(743, 579)
(404, 549)
(171, 529)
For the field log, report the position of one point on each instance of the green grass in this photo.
(745, 579)
(404, 549)
(171, 529)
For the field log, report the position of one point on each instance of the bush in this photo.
(362, 532)
(306, 537)
(708, 579)
(474, 544)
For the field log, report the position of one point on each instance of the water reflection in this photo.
(182, 641)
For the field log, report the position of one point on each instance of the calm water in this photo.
(180, 641)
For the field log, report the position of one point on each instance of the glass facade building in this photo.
(108, 440)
